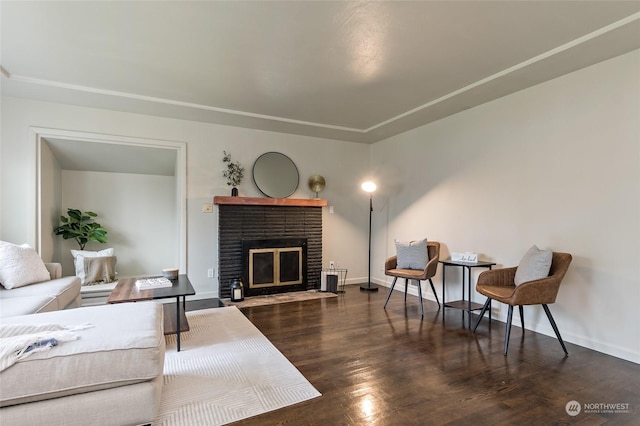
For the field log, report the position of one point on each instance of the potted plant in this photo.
(233, 173)
(81, 227)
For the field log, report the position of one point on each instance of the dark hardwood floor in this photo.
(388, 367)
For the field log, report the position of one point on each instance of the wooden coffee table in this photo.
(174, 321)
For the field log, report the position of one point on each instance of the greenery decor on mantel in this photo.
(234, 173)
(81, 227)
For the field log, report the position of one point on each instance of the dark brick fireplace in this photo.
(241, 219)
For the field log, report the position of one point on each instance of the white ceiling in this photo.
(112, 157)
(355, 71)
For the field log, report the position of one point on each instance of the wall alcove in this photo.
(120, 178)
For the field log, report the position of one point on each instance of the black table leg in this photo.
(178, 321)
(469, 291)
(463, 298)
(444, 268)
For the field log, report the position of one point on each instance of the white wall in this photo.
(50, 203)
(138, 212)
(342, 164)
(557, 165)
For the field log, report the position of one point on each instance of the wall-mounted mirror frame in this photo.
(275, 175)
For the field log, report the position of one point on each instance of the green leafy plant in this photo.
(234, 172)
(81, 227)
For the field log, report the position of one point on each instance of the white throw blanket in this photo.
(18, 341)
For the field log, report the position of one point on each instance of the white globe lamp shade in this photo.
(369, 186)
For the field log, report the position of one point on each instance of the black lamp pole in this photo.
(370, 287)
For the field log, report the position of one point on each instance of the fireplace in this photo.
(274, 265)
(242, 219)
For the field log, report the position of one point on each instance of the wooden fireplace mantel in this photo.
(265, 201)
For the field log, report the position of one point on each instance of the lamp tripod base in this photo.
(369, 287)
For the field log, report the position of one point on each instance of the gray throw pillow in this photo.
(412, 255)
(535, 264)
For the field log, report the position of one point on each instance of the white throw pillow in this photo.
(412, 255)
(535, 264)
(20, 266)
(78, 260)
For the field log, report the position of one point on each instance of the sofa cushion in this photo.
(124, 346)
(20, 266)
(10, 307)
(65, 290)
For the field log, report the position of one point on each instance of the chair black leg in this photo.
(555, 328)
(508, 332)
(434, 291)
(406, 288)
(420, 297)
(484, 309)
(521, 317)
(393, 284)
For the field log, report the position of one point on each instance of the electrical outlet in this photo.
(207, 208)
(332, 264)
(210, 273)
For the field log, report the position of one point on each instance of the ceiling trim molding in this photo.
(98, 91)
(580, 40)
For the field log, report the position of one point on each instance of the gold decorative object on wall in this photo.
(316, 184)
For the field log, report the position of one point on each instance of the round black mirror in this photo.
(275, 175)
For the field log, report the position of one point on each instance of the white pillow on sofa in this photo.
(412, 255)
(535, 265)
(20, 265)
(78, 260)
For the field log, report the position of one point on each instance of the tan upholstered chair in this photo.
(498, 284)
(433, 249)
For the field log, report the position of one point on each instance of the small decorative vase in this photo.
(234, 192)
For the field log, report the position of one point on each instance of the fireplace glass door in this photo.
(269, 267)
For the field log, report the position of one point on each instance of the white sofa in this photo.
(53, 295)
(111, 375)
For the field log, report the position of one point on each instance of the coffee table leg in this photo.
(178, 320)
(444, 303)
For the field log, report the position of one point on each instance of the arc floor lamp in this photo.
(369, 187)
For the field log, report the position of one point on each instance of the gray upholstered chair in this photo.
(433, 250)
(498, 284)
